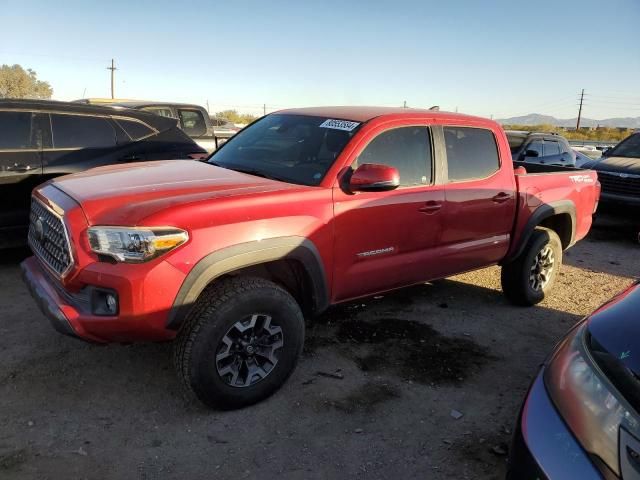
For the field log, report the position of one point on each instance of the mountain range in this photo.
(538, 119)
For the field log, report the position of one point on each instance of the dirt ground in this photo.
(372, 396)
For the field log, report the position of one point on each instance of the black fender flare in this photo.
(543, 212)
(235, 257)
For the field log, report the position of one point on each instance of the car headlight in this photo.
(135, 244)
(590, 405)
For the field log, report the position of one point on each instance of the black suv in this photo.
(541, 148)
(619, 174)
(40, 140)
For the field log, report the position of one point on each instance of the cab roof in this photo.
(364, 114)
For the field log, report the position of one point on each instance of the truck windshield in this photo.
(627, 148)
(292, 148)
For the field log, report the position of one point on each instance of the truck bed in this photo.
(541, 168)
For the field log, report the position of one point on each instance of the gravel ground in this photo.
(372, 396)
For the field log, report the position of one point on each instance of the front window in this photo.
(627, 148)
(408, 149)
(293, 148)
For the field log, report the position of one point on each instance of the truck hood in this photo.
(126, 194)
(618, 165)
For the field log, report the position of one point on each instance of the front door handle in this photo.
(501, 197)
(430, 207)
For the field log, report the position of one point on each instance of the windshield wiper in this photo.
(257, 173)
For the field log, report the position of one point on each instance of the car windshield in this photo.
(515, 142)
(627, 148)
(292, 148)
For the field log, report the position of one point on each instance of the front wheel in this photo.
(240, 343)
(529, 278)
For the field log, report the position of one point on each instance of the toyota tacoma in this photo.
(301, 210)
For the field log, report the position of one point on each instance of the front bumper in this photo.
(543, 448)
(45, 298)
(145, 295)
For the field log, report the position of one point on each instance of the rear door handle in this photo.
(430, 207)
(501, 197)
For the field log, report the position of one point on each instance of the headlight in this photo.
(592, 408)
(135, 245)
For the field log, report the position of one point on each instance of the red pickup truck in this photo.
(301, 210)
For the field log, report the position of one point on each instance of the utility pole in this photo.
(405, 104)
(580, 110)
(113, 69)
(264, 109)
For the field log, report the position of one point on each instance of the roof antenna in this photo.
(435, 108)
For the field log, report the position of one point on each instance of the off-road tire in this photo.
(516, 282)
(217, 310)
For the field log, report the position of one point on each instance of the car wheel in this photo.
(529, 278)
(240, 343)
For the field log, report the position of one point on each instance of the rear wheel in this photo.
(240, 343)
(529, 278)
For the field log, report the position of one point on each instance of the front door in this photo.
(384, 240)
(20, 165)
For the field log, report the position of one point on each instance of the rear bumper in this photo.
(543, 447)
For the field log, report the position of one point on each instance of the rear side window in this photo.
(80, 131)
(162, 111)
(136, 130)
(407, 148)
(472, 153)
(192, 122)
(17, 130)
(551, 148)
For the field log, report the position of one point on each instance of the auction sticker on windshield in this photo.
(345, 125)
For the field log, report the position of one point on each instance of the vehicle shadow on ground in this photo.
(429, 334)
(13, 256)
(618, 249)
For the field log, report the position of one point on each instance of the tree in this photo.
(16, 82)
(234, 117)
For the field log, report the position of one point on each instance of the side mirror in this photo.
(532, 154)
(371, 177)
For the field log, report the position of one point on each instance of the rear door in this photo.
(480, 200)
(387, 239)
(79, 142)
(21, 139)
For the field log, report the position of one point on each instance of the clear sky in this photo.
(486, 57)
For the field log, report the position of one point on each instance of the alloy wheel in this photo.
(249, 350)
(542, 268)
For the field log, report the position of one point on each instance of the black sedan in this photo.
(580, 419)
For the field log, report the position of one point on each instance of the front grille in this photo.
(618, 185)
(48, 238)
